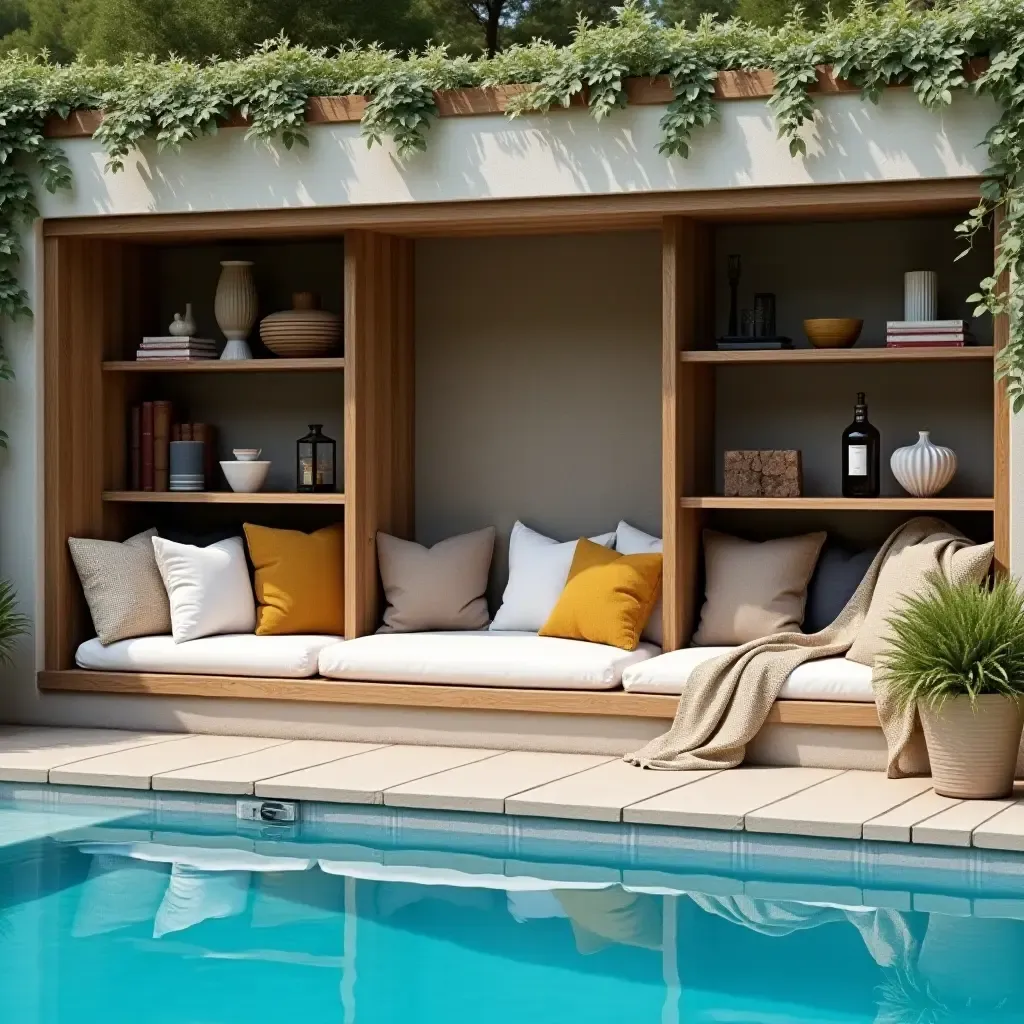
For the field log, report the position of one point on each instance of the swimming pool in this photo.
(172, 912)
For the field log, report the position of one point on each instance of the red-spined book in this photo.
(147, 446)
(161, 442)
(135, 449)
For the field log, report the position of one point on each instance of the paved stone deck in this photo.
(787, 801)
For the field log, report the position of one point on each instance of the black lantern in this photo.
(315, 461)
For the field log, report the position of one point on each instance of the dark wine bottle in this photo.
(861, 455)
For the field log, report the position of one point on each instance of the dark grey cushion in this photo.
(835, 578)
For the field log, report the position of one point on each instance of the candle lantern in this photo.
(316, 461)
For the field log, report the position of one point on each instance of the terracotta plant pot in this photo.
(973, 750)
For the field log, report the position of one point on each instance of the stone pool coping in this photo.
(811, 802)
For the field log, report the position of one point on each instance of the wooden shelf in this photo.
(432, 695)
(846, 504)
(222, 366)
(227, 497)
(877, 354)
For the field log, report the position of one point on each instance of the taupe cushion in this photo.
(754, 589)
(435, 588)
(122, 585)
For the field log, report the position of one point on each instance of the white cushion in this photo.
(631, 541)
(208, 588)
(481, 658)
(821, 679)
(537, 570)
(285, 657)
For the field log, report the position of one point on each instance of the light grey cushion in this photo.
(122, 585)
(435, 588)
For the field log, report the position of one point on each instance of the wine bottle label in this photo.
(857, 460)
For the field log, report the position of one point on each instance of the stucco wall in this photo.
(468, 158)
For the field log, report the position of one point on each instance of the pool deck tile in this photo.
(29, 755)
(135, 768)
(895, 826)
(599, 794)
(1003, 831)
(363, 778)
(724, 800)
(484, 787)
(238, 776)
(955, 826)
(838, 807)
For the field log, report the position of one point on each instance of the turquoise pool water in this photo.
(166, 916)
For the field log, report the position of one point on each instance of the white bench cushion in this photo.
(821, 679)
(481, 658)
(234, 654)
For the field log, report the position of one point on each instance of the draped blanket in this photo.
(728, 699)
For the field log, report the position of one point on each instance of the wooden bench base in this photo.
(613, 703)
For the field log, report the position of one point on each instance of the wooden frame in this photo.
(88, 279)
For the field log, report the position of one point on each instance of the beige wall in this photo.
(538, 381)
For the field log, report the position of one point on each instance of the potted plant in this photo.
(957, 653)
(12, 623)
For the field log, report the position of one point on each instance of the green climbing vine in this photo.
(172, 102)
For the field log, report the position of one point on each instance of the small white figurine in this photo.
(183, 326)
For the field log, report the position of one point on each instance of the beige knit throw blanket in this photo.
(727, 700)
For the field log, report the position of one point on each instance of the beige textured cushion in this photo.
(905, 573)
(754, 589)
(435, 588)
(122, 585)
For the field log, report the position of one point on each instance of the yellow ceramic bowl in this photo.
(839, 332)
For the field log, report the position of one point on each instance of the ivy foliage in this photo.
(174, 101)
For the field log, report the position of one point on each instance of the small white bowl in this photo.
(246, 477)
(246, 454)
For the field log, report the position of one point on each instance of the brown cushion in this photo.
(123, 587)
(435, 588)
(754, 589)
(905, 574)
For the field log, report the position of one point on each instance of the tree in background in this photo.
(112, 29)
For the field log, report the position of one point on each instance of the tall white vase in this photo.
(923, 469)
(235, 307)
(920, 295)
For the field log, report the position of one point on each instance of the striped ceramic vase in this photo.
(923, 469)
(920, 295)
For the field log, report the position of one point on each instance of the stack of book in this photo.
(928, 333)
(745, 344)
(179, 349)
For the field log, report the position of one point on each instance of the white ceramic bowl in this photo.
(246, 454)
(246, 477)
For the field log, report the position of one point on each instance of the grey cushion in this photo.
(122, 585)
(836, 577)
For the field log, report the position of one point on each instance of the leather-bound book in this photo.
(135, 449)
(147, 445)
(161, 443)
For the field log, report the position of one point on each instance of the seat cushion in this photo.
(481, 658)
(821, 679)
(234, 654)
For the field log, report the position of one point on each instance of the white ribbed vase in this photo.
(923, 469)
(920, 295)
(235, 307)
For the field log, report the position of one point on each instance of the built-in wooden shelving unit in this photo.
(226, 497)
(826, 504)
(222, 366)
(878, 354)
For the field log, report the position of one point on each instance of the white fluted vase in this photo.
(920, 295)
(923, 469)
(235, 307)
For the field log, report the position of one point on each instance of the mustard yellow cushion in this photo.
(299, 586)
(608, 598)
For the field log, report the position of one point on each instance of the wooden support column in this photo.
(688, 404)
(85, 289)
(379, 407)
(1001, 430)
